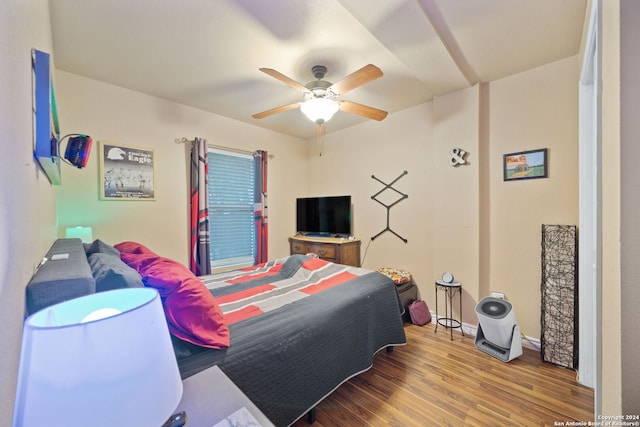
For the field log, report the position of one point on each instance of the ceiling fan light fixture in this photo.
(319, 110)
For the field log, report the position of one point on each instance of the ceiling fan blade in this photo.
(356, 79)
(363, 110)
(284, 79)
(276, 110)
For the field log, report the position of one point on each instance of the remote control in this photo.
(176, 420)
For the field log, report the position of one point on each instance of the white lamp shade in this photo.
(83, 233)
(115, 370)
(319, 110)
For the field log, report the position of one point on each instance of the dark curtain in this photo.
(200, 263)
(260, 207)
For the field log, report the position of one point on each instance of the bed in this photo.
(287, 332)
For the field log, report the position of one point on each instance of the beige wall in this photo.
(456, 195)
(464, 219)
(27, 199)
(531, 110)
(113, 114)
(403, 141)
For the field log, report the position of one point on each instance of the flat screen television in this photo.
(324, 216)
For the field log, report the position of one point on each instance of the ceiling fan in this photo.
(320, 96)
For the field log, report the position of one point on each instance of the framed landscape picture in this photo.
(126, 173)
(525, 165)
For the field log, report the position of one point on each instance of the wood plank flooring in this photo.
(433, 381)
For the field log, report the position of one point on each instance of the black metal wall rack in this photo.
(401, 198)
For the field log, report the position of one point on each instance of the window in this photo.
(231, 209)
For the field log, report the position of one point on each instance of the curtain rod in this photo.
(184, 140)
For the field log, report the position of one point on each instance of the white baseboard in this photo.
(529, 342)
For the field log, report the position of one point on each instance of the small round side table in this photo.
(450, 290)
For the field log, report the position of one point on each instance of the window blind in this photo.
(231, 186)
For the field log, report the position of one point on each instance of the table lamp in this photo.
(83, 233)
(100, 360)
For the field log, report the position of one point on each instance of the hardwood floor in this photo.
(433, 381)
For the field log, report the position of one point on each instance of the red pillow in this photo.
(139, 261)
(191, 311)
(133, 248)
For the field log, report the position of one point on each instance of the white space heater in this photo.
(498, 333)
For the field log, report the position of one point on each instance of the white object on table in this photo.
(209, 397)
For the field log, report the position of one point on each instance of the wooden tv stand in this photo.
(334, 249)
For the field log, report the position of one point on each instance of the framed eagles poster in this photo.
(126, 173)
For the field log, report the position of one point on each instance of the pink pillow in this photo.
(191, 311)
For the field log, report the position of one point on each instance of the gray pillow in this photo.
(100, 247)
(111, 273)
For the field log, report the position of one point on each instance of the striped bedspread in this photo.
(243, 294)
(299, 327)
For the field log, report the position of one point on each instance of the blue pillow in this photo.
(111, 273)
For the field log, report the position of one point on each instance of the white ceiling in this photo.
(206, 53)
